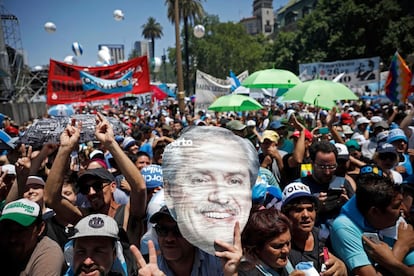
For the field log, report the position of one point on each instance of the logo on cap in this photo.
(96, 222)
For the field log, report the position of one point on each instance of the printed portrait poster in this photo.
(208, 175)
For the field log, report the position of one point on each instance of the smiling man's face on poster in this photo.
(208, 175)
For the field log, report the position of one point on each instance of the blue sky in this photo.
(90, 22)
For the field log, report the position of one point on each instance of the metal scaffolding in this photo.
(16, 77)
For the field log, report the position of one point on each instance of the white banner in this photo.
(357, 72)
(209, 88)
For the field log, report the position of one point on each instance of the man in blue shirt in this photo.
(375, 208)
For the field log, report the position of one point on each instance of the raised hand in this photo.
(232, 253)
(147, 269)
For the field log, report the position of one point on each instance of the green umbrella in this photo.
(235, 102)
(320, 93)
(271, 78)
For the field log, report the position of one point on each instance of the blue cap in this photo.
(275, 125)
(396, 134)
(153, 176)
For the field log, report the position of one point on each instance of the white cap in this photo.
(376, 119)
(94, 153)
(96, 225)
(251, 123)
(362, 120)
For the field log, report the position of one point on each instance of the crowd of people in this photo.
(286, 190)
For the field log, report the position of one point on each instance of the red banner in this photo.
(64, 84)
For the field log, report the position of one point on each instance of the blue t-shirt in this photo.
(346, 237)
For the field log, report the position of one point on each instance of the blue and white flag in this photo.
(90, 82)
(234, 81)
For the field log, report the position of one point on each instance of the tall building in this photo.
(117, 52)
(262, 20)
(143, 48)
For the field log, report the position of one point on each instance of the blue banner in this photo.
(90, 82)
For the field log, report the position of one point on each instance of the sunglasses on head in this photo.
(97, 186)
(162, 231)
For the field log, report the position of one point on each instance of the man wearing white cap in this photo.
(96, 250)
(25, 250)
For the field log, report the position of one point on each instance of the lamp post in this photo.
(180, 81)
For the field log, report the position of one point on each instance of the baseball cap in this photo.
(251, 123)
(152, 175)
(11, 169)
(308, 134)
(347, 129)
(271, 135)
(163, 212)
(343, 152)
(396, 134)
(346, 118)
(96, 154)
(296, 190)
(96, 225)
(128, 142)
(235, 125)
(22, 211)
(35, 180)
(376, 119)
(386, 148)
(275, 125)
(352, 145)
(362, 120)
(101, 173)
(382, 136)
(382, 124)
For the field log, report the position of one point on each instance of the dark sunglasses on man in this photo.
(97, 186)
(162, 231)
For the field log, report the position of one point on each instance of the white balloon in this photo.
(199, 31)
(77, 48)
(70, 60)
(50, 27)
(37, 68)
(104, 56)
(118, 15)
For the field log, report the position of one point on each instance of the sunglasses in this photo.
(162, 231)
(97, 186)
(326, 167)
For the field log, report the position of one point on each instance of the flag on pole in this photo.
(398, 84)
(234, 81)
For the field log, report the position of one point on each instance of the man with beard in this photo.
(25, 250)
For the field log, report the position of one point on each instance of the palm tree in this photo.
(190, 11)
(152, 30)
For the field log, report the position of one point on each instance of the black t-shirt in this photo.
(297, 255)
(290, 174)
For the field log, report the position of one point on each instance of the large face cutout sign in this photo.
(208, 175)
